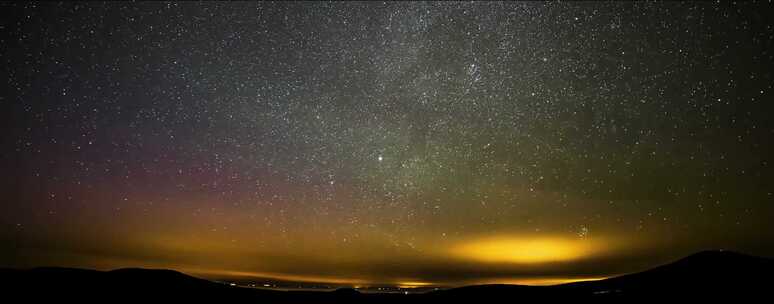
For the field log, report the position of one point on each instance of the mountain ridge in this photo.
(705, 274)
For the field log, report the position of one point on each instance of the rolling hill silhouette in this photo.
(705, 275)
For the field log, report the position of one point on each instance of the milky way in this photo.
(443, 143)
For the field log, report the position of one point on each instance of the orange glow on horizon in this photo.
(360, 283)
(354, 282)
(284, 277)
(538, 281)
(413, 284)
(524, 250)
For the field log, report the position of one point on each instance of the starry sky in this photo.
(399, 143)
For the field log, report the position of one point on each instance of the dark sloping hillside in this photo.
(151, 285)
(121, 284)
(705, 275)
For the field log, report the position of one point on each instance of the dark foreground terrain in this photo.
(709, 275)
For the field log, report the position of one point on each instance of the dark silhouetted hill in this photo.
(705, 274)
(709, 275)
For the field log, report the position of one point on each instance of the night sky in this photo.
(396, 143)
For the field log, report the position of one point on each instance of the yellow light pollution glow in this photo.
(538, 281)
(524, 250)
